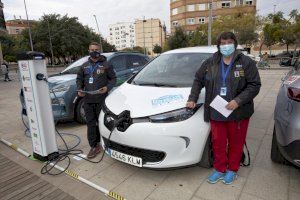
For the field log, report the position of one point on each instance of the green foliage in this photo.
(157, 49)
(134, 49)
(178, 40)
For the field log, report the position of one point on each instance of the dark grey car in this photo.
(66, 105)
(286, 134)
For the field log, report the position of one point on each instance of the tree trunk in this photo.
(287, 48)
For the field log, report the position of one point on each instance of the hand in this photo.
(232, 105)
(103, 90)
(81, 94)
(191, 104)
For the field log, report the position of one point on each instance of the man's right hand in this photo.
(81, 94)
(191, 104)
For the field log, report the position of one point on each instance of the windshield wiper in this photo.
(155, 84)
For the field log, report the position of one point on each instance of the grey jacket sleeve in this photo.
(80, 79)
(253, 84)
(199, 82)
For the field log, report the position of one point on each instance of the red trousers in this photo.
(228, 139)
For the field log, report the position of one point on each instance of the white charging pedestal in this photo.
(32, 67)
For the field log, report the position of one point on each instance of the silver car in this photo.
(286, 134)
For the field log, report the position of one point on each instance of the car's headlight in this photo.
(58, 101)
(174, 116)
(62, 88)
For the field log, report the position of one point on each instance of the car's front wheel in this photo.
(276, 156)
(80, 114)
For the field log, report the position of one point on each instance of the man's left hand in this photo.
(232, 105)
(103, 90)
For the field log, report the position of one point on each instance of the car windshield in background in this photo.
(74, 67)
(171, 70)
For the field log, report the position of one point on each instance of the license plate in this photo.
(132, 160)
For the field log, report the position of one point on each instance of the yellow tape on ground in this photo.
(14, 147)
(70, 173)
(115, 195)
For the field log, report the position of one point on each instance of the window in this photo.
(18, 31)
(202, 20)
(191, 20)
(239, 2)
(175, 23)
(201, 6)
(119, 63)
(190, 8)
(175, 11)
(225, 4)
(249, 2)
(136, 61)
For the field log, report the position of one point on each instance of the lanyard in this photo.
(225, 73)
(92, 69)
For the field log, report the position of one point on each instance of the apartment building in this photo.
(148, 33)
(122, 35)
(16, 26)
(188, 14)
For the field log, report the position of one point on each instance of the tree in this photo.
(134, 49)
(178, 40)
(70, 39)
(157, 49)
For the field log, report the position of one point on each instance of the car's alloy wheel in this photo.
(80, 114)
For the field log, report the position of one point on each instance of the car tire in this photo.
(207, 155)
(276, 156)
(80, 115)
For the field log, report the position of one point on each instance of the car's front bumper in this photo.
(161, 145)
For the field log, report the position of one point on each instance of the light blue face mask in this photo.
(227, 49)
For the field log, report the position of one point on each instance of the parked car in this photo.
(66, 105)
(159, 131)
(286, 134)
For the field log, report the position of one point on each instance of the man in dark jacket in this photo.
(234, 77)
(98, 78)
(4, 68)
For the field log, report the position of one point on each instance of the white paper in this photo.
(219, 104)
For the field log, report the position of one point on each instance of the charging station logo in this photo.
(27, 89)
(25, 78)
(24, 66)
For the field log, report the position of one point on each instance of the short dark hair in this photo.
(226, 36)
(94, 43)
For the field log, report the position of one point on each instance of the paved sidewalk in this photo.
(263, 180)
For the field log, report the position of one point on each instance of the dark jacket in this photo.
(244, 88)
(103, 75)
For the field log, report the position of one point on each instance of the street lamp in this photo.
(30, 38)
(144, 34)
(101, 49)
(209, 24)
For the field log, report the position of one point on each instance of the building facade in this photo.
(122, 35)
(188, 14)
(16, 26)
(149, 33)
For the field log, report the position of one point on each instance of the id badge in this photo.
(223, 91)
(91, 80)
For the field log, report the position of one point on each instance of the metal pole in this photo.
(209, 24)
(274, 9)
(51, 47)
(101, 49)
(144, 35)
(30, 38)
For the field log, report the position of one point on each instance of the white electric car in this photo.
(145, 123)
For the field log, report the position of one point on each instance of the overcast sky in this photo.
(112, 11)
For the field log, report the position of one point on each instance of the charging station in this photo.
(33, 75)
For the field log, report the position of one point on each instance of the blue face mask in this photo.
(227, 49)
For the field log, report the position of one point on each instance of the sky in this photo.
(113, 11)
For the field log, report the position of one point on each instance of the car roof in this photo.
(198, 49)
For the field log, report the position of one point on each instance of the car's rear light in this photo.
(294, 93)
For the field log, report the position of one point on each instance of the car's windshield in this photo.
(171, 70)
(74, 67)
